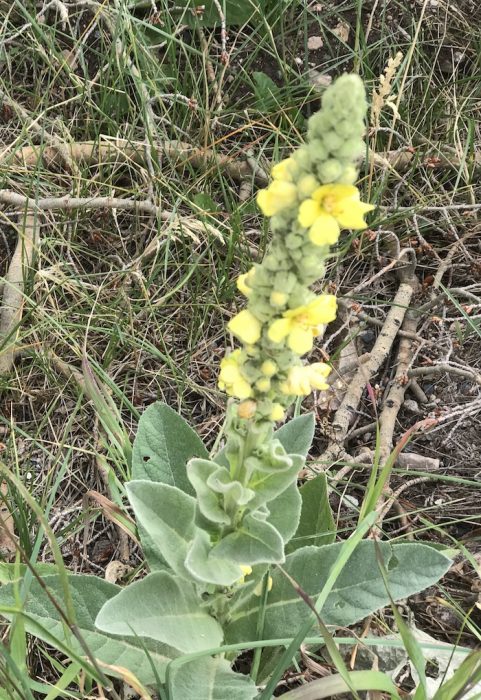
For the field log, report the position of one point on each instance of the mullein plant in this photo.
(311, 198)
(214, 527)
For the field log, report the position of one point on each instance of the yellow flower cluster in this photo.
(230, 377)
(311, 199)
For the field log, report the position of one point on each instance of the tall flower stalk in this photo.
(310, 199)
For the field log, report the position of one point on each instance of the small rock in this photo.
(411, 406)
(298, 60)
(318, 80)
(314, 43)
(342, 31)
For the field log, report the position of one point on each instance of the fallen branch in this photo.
(121, 150)
(13, 289)
(68, 203)
(440, 367)
(340, 426)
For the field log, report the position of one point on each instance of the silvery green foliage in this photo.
(185, 605)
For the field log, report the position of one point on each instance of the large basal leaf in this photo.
(162, 447)
(316, 525)
(161, 607)
(284, 511)
(296, 435)
(166, 516)
(210, 679)
(89, 594)
(358, 591)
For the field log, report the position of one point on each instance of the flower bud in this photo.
(246, 410)
(268, 368)
(277, 412)
(263, 384)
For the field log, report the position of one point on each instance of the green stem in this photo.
(260, 627)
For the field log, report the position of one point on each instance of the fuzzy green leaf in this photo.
(166, 519)
(316, 525)
(210, 679)
(163, 445)
(358, 592)
(161, 607)
(255, 542)
(285, 510)
(296, 435)
(204, 566)
(89, 594)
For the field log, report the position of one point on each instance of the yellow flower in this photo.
(231, 379)
(279, 195)
(243, 282)
(302, 380)
(297, 383)
(284, 170)
(246, 327)
(330, 209)
(277, 412)
(318, 372)
(300, 325)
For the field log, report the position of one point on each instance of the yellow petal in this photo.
(298, 381)
(300, 340)
(309, 210)
(322, 309)
(279, 329)
(351, 215)
(324, 231)
(246, 327)
(265, 202)
(242, 286)
(293, 313)
(340, 191)
(284, 193)
(241, 389)
(317, 375)
(229, 373)
(284, 169)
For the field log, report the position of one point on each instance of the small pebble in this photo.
(411, 406)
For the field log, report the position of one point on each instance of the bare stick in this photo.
(68, 203)
(93, 153)
(440, 367)
(12, 302)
